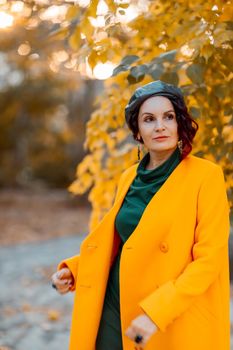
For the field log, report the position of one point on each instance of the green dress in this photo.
(142, 189)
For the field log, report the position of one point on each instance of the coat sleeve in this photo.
(73, 262)
(212, 230)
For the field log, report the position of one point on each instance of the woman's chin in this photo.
(162, 148)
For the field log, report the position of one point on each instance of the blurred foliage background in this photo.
(45, 101)
(54, 55)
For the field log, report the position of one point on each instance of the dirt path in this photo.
(32, 313)
(30, 216)
(37, 230)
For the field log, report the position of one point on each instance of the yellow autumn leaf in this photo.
(75, 39)
(227, 133)
(73, 12)
(53, 315)
(227, 12)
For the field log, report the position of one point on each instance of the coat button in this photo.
(164, 247)
(91, 247)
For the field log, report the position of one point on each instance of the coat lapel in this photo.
(166, 194)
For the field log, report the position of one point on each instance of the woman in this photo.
(154, 273)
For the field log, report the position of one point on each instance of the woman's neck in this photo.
(157, 158)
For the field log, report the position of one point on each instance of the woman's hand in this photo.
(141, 325)
(63, 280)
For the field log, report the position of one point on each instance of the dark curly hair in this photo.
(187, 126)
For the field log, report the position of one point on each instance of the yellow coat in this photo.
(174, 266)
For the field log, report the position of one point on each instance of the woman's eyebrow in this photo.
(170, 110)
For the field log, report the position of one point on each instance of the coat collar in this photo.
(166, 190)
(169, 183)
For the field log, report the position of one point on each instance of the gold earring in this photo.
(180, 146)
(139, 152)
(139, 149)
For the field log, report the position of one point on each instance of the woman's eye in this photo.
(148, 119)
(170, 116)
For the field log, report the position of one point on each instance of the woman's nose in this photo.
(159, 125)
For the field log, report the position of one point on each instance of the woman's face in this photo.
(156, 118)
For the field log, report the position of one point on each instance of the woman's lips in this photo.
(160, 138)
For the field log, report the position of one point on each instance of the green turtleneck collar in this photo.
(163, 169)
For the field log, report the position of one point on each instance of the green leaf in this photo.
(137, 71)
(125, 64)
(170, 78)
(167, 56)
(195, 72)
(195, 112)
(133, 80)
(127, 60)
(119, 69)
(137, 74)
(156, 70)
(221, 91)
(188, 89)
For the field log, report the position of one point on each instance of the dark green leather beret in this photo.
(142, 93)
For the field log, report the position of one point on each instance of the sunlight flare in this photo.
(6, 20)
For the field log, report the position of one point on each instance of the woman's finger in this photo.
(64, 273)
(62, 282)
(63, 288)
(56, 278)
